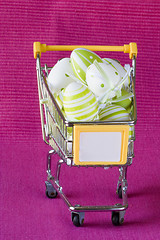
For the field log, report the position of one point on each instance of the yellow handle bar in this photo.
(38, 48)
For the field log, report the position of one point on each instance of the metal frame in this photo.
(55, 182)
(54, 132)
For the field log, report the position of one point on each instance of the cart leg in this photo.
(124, 185)
(57, 174)
(58, 169)
(50, 153)
(122, 178)
(118, 216)
(119, 187)
(51, 191)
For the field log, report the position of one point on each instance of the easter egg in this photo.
(131, 132)
(69, 131)
(69, 145)
(114, 112)
(81, 59)
(130, 109)
(58, 77)
(70, 138)
(59, 99)
(119, 68)
(79, 103)
(124, 103)
(101, 78)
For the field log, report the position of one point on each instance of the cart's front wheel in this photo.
(77, 219)
(116, 219)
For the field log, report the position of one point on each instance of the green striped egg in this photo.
(59, 99)
(131, 132)
(114, 112)
(124, 103)
(130, 109)
(81, 59)
(69, 145)
(79, 103)
(119, 68)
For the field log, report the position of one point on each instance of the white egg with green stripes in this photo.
(79, 103)
(131, 132)
(59, 99)
(126, 103)
(114, 112)
(122, 71)
(81, 59)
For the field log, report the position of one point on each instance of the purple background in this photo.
(25, 212)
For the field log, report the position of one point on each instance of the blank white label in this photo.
(100, 146)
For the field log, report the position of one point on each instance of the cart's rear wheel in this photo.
(51, 194)
(116, 220)
(50, 190)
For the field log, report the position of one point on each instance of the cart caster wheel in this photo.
(51, 194)
(116, 220)
(50, 191)
(119, 192)
(77, 219)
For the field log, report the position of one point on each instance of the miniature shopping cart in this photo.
(57, 130)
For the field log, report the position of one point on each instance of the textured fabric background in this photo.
(25, 212)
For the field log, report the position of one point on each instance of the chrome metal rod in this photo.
(124, 185)
(49, 161)
(63, 196)
(59, 190)
(38, 68)
(124, 172)
(134, 66)
(58, 169)
(99, 208)
(124, 192)
(117, 207)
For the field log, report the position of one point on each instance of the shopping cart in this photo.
(57, 132)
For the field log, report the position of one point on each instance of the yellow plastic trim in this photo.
(124, 129)
(39, 48)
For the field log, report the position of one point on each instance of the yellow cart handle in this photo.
(131, 48)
